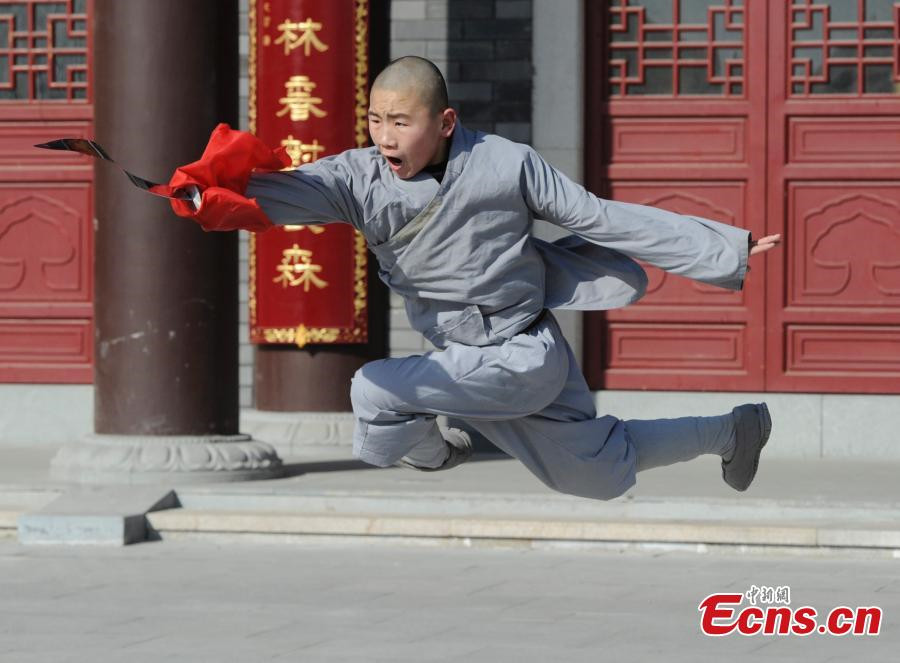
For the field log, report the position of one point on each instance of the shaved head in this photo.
(410, 119)
(418, 76)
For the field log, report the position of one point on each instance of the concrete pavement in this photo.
(336, 601)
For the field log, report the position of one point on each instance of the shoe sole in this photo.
(765, 420)
(763, 412)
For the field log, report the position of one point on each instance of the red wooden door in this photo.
(45, 197)
(786, 121)
(684, 120)
(834, 168)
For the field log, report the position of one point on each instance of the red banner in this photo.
(308, 91)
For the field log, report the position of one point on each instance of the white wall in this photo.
(558, 110)
(245, 351)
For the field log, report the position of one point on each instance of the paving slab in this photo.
(189, 602)
(108, 515)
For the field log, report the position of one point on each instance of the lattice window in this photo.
(845, 47)
(676, 47)
(43, 50)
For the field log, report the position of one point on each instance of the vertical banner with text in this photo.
(308, 92)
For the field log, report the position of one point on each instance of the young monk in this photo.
(448, 213)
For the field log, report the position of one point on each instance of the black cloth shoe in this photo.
(752, 425)
(460, 446)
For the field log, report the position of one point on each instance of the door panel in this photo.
(45, 197)
(684, 108)
(834, 291)
(793, 130)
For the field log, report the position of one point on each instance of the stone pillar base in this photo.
(298, 434)
(165, 459)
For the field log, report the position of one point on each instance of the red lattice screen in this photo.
(43, 50)
(676, 48)
(847, 47)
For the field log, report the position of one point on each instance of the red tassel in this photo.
(222, 174)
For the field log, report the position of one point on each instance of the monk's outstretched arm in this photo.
(313, 194)
(698, 248)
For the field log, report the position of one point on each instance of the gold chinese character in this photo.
(298, 100)
(315, 230)
(301, 152)
(307, 37)
(296, 268)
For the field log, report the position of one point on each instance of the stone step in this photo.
(185, 521)
(542, 506)
(8, 519)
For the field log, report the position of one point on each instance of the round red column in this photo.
(166, 377)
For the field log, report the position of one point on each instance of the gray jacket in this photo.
(461, 253)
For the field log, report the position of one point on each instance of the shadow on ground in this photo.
(320, 467)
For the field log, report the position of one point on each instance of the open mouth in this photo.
(394, 161)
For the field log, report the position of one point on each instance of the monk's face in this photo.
(407, 132)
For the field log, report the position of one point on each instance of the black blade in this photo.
(92, 149)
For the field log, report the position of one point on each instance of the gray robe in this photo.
(473, 278)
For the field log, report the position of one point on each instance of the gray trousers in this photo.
(528, 397)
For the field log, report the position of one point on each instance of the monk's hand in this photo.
(764, 244)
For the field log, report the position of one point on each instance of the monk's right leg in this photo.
(396, 401)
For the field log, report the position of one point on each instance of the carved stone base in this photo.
(169, 459)
(295, 434)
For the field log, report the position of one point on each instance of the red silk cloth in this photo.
(222, 174)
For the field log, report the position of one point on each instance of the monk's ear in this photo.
(448, 122)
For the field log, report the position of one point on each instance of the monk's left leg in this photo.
(573, 451)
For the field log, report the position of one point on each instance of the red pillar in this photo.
(166, 380)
